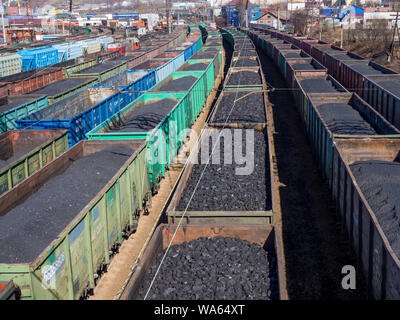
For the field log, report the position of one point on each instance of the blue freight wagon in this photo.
(74, 114)
(162, 67)
(13, 108)
(38, 57)
(188, 50)
(68, 51)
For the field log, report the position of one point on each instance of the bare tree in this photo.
(299, 20)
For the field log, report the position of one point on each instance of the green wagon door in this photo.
(97, 230)
(79, 258)
(112, 216)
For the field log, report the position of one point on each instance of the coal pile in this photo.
(329, 49)
(248, 53)
(365, 69)
(317, 85)
(145, 117)
(245, 62)
(98, 68)
(391, 85)
(211, 49)
(61, 86)
(219, 268)
(343, 119)
(180, 84)
(345, 57)
(222, 189)
(293, 55)
(379, 181)
(195, 67)
(244, 78)
(13, 104)
(31, 226)
(214, 43)
(204, 55)
(248, 109)
(5, 162)
(303, 66)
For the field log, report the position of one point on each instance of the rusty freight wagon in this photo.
(104, 184)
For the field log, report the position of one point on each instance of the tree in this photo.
(299, 20)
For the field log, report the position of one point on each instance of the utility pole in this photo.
(167, 11)
(70, 15)
(2, 23)
(395, 30)
(279, 20)
(341, 36)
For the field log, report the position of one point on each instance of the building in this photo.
(369, 18)
(270, 18)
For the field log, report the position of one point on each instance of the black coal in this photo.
(343, 119)
(221, 188)
(31, 226)
(380, 183)
(145, 117)
(217, 268)
(249, 109)
(244, 78)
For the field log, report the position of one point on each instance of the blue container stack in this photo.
(38, 57)
(68, 51)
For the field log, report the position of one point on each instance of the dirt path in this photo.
(315, 246)
(122, 263)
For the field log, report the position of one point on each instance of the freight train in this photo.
(51, 159)
(200, 214)
(349, 108)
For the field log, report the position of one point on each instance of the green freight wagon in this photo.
(73, 66)
(197, 92)
(163, 141)
(23, 152)
(16, 107)
(68, 266)
(101, 71)
(65, 88)
(211, 71)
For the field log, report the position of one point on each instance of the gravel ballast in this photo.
(218, 268)
(343, 119)
(221, 188)
(31, 226)
(248, 109)
(317, 85)
(244, 78)
(180, 84)
(146, 117)
(380, 183)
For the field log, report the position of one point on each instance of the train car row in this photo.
(105, 184)
(43, 108)
(356, 149)
(376, 84)
(59, 255)
(222, 217)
